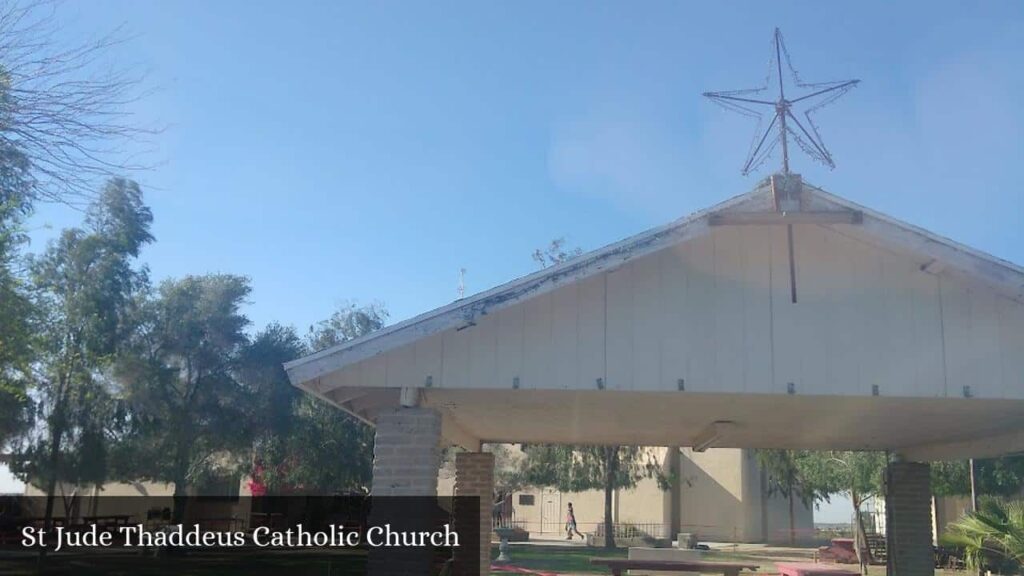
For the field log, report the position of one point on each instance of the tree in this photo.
(994, 477)
(992, 537)
(579, 468)
(305, 444)
(82, 287)
(64, 113)
(786, 477)
(188, 408)
(856, 474)
(349, 322)
(16, 335)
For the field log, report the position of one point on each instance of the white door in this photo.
(551, 511)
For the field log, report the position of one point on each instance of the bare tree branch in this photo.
(65, 119)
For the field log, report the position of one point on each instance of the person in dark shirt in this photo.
(570, 525)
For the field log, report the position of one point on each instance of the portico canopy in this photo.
(857, 331)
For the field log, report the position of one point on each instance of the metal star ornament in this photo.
(784, 124)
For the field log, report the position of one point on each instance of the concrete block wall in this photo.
(407, 453)
(474, 476)
(406, 456)
(908, 519)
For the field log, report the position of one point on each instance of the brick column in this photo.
(908, 519)
(407, 453)
(406, 458)
(474, 476)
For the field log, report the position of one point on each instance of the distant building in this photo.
(721, 497)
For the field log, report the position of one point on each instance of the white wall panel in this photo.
(715, 312)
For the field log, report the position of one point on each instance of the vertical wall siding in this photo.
(714, 314)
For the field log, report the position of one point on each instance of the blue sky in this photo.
(338, 151)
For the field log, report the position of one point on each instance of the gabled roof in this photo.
(937, 254)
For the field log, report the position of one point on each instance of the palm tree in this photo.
(992, 535)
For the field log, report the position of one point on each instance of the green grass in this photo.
(559, 559)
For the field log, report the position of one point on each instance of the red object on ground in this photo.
(841, 551)
(805, 569)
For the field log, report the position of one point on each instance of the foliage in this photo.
(16, 335)
(992, 537)
(579, 468)
(555, 253)
(82, 289)
(189, 411)
(305, 445)
(996, 476)
(856, 474)
(786, 478)
(347, 323)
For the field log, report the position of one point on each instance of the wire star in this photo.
(745, 102)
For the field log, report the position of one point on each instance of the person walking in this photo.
(570, 525)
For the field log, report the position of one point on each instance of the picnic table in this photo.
(618, 565)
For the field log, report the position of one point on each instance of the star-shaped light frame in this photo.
(783, 120)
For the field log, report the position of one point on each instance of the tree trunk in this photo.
(792, 519)
(862, 547)
(611, 464)
(56, 437)
(180, 481)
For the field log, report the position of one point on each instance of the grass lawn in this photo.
(576, 560)
(559, 559)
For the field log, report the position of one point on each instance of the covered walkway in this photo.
(854, 331)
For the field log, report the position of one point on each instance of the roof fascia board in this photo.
(1006, 277)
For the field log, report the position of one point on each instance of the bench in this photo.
(805, 569)
(618, 565)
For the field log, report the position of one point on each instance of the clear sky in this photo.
(339, 151)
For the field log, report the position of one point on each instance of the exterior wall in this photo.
(94, 501)
(721, 499)
(947, 509)
(713, 314)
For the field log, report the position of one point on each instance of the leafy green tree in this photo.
(579, 468)
(993, 476)
(15, 309)
(856, 474)
(189, 410)
(82, 288)
(785, 477)
(349, 322)
(306, 445)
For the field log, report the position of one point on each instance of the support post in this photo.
(908, 519)
(474, 477)
(406, 458)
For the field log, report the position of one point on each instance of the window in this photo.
(526, 499)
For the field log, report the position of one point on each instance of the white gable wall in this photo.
(715, 312)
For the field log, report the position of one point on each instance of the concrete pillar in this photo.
(908, 519)
(406, 458)
(407, 453)
(675, 504)
(474, 476)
